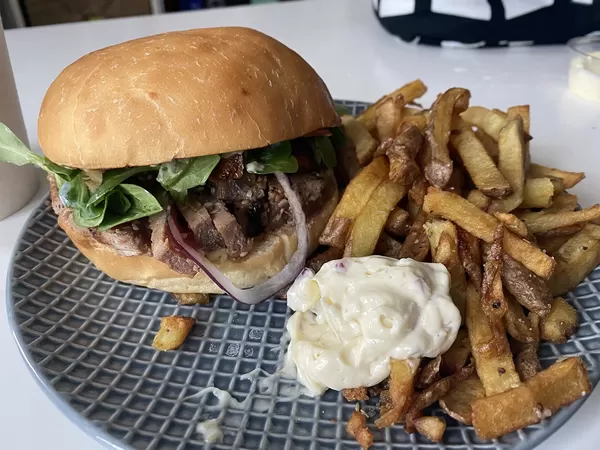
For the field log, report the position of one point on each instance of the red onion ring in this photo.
(267, 289)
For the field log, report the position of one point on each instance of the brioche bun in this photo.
(180, 95)
(265, 260)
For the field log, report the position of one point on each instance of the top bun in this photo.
(180, 95)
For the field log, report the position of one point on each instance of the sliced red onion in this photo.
(267, 289)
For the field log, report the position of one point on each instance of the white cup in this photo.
(17, 184)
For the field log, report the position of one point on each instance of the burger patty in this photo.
(226, 214)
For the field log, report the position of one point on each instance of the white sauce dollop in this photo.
(584, 76)
(356, 314)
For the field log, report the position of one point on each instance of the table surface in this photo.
(359, 61)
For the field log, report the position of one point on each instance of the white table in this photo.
(358, 60)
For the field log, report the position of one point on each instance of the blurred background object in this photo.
(21, 13)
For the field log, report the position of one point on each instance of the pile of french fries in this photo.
(454, 184)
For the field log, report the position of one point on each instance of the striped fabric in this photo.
(488, 23)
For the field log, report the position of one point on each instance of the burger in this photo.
(196, 161)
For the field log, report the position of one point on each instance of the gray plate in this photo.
(87, 340)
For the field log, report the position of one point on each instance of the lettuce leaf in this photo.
(126, 203)
(180, 175)
(274, 158)
(14, 151)
(113, 178)
(324, 151)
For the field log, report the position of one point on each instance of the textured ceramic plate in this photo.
(87, 340)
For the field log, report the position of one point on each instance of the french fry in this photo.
(401, 153)
(479, 199)
(355, 394)
(490, 145)
(499, 112)
(437, 165)
(562, 202)
(551, 244)
(432, 427)
(511, 162)
(357, 428)
(530, 290)
(443, 241)
(482, 225)
(539, 397)
(469, 250)
(523, 111)
(419, 121)
(397, 222)
(430, 395)
(489, 121)
(548, 222)
(416, 244)
(410, 92)
(480, 165)
(402, 380)
(192, 299)
(388, 115)
(172, 332)
(527, 362)
(457, 402)
(537, 193)
(368, 225)
(456, 357)
(560, 323)
(570, 179)
(517, 324)
(388, 246)
(493, 303)
(493, 359)
(513, 223)
(317, 260)
(416, 196)
(355, 197)
(364, 143)
(429, 373)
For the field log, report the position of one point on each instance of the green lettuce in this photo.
(181, 175)
(274, 158)
(324, 151)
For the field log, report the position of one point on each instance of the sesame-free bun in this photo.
(179, 95)
(265, 260)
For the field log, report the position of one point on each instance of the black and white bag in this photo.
(488, 23)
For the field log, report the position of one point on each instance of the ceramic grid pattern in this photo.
(88, 339)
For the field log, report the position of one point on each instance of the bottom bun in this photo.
(264, 261)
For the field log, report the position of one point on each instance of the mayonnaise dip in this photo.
(356, 314)
(584, 76)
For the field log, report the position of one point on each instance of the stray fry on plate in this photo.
(355, 394)
(357, 428)
(432, 427)
(172, 332)
(192, 299)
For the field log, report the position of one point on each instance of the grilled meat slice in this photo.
(163, 247)
(201, 225)
(237, 244)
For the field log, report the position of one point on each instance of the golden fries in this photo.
(388, 115)
(401, 153)
(432, 428)
(513, 223)
(397, 222)
(368, 225)
(443, 241)
(416, 244)
(480, 165)
(429, 373)
(530, 290)
(569, 179)
(357, 428)
(457, 355)
(548, 222)
(437, 165)
(364, 143)
(457, 402)
(538, 398)
(493, 359)
(537, 193)
(517, 324)
(172, 332)
(493, 303)
(410, 92)
(482, 225)
(511, 162)
(402, 379)
(560, 323)
(489, 121)
(469, 250)
(353, 201)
